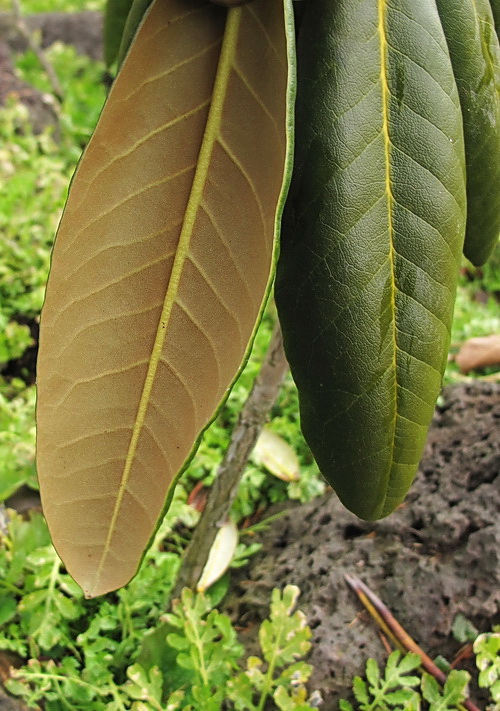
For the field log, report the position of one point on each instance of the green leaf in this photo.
(240, 691)
(409, 663)
(372, 239)
(360, 690)
(463, 630)
(475, 54)
(392, 689)
(487, 651)
(453, 693)
(137, 11)
(372, 671)
(399, 698)
(154, 651)
(68, 608)
(176, 641)
(495, 8)
(284, 636)
(115, 17)
(143, 685)
(294, 701)
(8, 607)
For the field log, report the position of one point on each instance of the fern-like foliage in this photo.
(396, 688)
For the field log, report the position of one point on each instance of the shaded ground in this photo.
(436, 556)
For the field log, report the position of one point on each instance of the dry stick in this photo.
(49, 69)
(395, 631)
(244, 436)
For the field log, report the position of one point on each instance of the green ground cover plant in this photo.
(397, 688)
(35, 6)
(123, 651)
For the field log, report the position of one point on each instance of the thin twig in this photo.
(386, 620)
(41, 56)
(244, 436)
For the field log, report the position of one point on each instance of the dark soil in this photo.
(436, 556)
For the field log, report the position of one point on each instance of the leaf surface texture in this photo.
(475, 55)
(372, 236)
(159, 272)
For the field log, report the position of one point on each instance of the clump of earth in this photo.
(435, 557)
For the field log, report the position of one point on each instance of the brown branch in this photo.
(246, 431)
(400, 637)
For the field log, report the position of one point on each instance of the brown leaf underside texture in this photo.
(159, 271)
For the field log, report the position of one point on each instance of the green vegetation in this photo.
(122, 651)
(396, 688)
(105, 653)
(34, 6)
(487, 651)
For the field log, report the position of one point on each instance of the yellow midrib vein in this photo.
(212, 129)
(384, 61)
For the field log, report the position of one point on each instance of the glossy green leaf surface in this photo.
(115, 17)
(495, 8)
(135, 16)
(371, 240)
(475, 55)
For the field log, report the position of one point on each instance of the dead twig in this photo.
(391, 627)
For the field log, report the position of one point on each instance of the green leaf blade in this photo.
(373, 232)
(475, 54)
(115, 18)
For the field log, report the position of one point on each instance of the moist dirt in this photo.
(433, 558)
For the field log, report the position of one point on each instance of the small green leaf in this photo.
(360, 690)
(487, 651)
(453, 693)
(67, 607)
(143, 685)
(408, 663)
(177, 641)
(284, 636)
(463, 630)
(372, 671)
(8, 607)
(241, 690)
(294, 701)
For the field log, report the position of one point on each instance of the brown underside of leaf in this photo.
(112, 276)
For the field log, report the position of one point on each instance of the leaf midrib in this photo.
(211, 134)
(384, 62)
